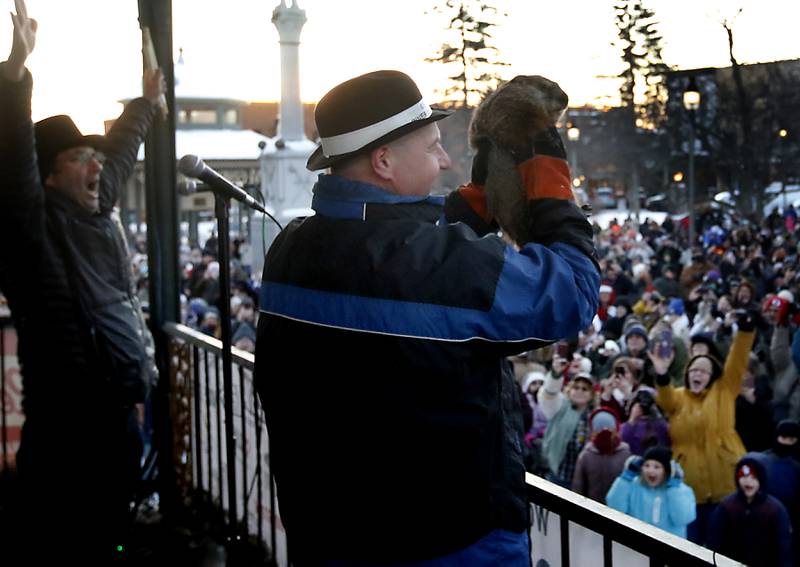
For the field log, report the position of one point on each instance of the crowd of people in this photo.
(679, 405)
(201, 294)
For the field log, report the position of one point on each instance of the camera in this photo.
(645, 400)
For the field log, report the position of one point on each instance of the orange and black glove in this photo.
(553, 213)
(467, 204)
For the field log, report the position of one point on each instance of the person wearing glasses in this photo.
(65, 269)
(702, 421)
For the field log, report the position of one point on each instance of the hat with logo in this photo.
(366, 112)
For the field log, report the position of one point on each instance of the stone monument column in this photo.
(285, 182)
(289, 22)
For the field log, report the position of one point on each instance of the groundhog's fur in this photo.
(510, 117)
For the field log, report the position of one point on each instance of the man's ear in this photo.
(381, 161)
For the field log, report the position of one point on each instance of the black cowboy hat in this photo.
(56, 134)
(366, 112)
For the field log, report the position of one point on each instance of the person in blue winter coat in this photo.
(651, 489)
(750, 525)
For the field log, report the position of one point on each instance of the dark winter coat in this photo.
(757, 533)
(409, 321)
(66, 271)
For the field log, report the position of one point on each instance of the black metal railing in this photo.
(569, 529)
(200, 438)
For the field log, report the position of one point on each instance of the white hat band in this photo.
(357, 139)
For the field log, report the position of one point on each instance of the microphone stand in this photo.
(221, 210)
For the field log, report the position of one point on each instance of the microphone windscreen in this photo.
(191, 165)
(187, 187)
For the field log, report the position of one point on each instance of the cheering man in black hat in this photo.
(65, 270)
(410, 304)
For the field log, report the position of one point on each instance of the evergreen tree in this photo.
(474, 61)
(643, 65)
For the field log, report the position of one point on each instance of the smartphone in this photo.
(664, 345)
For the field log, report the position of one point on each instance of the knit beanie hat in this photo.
(661, 455)
(637, 330)
(751, 465)
(788, 428)
(676, 307)
(603, 418)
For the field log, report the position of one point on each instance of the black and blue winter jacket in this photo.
(393, 415)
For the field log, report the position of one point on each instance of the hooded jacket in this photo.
(757, 533)
(702, 426)
(669, 506)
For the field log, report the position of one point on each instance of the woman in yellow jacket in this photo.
(702, 419)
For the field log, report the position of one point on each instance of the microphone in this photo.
(188, 187)
(192, 166)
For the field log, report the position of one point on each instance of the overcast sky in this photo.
(88, 51)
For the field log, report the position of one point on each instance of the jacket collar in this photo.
(339, 197)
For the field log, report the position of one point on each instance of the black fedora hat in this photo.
(56, 134)
(366, 112)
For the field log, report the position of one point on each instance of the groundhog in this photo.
(509, 118)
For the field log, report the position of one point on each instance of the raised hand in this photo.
(154, 85)
(661, 363)
(23, 44)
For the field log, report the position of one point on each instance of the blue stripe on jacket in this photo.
(542, 294)
(499, 547)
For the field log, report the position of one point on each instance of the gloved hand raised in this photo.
(468, 202)
(632, 467)
(528, 188)
(745, 321)
(677, 474)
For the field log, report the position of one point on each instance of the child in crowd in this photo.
(603, 457)
(750, 525)
(651, 489)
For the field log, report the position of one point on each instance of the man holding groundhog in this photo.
(409, 304)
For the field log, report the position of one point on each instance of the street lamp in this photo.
(573, 135)
(782, 133)
(691, 102)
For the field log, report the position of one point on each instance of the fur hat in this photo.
(662, 455)
(366, 112)
(57, 134)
